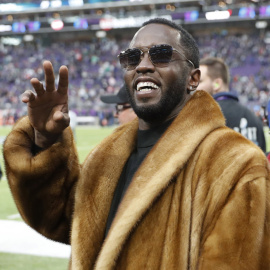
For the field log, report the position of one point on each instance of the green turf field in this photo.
(27, 262)
(87, 138)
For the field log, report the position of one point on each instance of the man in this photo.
(175, 189)
(124, 111)
(215, 79)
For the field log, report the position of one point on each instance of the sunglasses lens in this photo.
(130, 58)
(161, 54)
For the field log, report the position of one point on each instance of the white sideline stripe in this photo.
(17, 237)
(14, 216)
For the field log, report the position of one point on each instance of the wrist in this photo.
(43, 140)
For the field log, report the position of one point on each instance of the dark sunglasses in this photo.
(159, 55)
(120, 108)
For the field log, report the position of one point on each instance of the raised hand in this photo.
(48, 106)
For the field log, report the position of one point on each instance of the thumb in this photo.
(62, 119)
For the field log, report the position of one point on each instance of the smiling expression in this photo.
(157, 93)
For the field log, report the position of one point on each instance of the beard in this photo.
(160, 111)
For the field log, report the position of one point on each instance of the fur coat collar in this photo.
(168, 161)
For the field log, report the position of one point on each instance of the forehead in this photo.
(153, 34)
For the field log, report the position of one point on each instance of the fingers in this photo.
(38, 86)
(49, 76)
(50, 80)
(63, 80)
(28, 96)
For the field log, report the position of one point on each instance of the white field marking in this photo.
(17, 237)
(14, 216)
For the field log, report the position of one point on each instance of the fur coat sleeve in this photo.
(42, 185)
(235, 206)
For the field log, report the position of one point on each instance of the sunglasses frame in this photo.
(146, 49)
(120, 108)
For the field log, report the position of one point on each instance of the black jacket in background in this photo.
(241, 119)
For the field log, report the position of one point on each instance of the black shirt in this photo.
(145, 141)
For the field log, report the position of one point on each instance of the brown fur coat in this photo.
(200, 200)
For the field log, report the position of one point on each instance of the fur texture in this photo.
(200, 199)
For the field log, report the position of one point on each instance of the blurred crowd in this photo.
(21, 1)
(248, 57)
(94, 70)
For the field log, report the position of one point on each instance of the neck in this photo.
(222, 89)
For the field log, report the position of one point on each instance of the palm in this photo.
(42, 111)
(48, 108)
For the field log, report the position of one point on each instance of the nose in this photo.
(145, 65)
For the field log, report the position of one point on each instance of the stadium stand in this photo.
(94, 69)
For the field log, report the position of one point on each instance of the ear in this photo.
(217, 83)
(194, 79)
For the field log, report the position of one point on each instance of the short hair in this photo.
(216, 68)
(188, 43)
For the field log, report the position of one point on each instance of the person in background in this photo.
(215, 79)
(123, 110)
(259, 112)
(173, 189)
(266, 118)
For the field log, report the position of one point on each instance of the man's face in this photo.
(206, 83)
(125, 115)
(166, 87)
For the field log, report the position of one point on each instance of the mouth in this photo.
(146, 87)
(147, 92)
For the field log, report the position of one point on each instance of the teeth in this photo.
(145, 89)
(146, 84)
